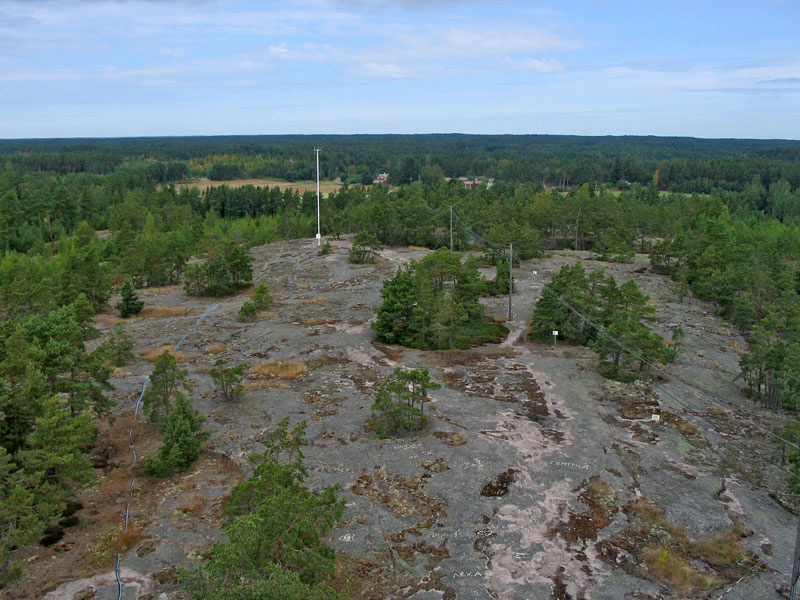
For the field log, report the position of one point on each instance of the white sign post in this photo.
(555, 336)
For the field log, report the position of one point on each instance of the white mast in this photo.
(319, 237)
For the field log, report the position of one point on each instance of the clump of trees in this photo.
(746, 268)
(593, 310)
(260, 300)
(433, 303)
(399, 405)
(49, 386)
(274, 544)
(365, 248)
(179, 424)
(227, 269)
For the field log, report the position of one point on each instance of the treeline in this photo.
(749, 268)
(688, 165)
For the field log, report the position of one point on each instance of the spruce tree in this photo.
(182, 437)
(130, 303)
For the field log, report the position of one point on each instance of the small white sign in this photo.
(555, 333)
(655, 417)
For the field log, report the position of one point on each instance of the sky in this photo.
(117, 68)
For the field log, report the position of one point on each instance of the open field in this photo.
(325, 187)
(536, 479)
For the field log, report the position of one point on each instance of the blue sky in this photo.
(85, 68)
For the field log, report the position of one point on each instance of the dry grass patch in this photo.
(312, 321)
(673, 569)
(264, 316)
(281, 369)
(161, 310)
(315, 300)
(688, 429)
(303, 286)
(420, 248)
(120, 373)
(668, 549)
(215, 350)
(113, 542)
(152, 355)
(193, 504)
(164, 289)
(723, 550)
(107, 319)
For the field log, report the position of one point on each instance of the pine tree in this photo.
(130, 303)
(118, 347)
(167, 382)
(228, 379)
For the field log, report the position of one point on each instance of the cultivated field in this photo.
(326, 187)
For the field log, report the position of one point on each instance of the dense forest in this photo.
(675, 164)
(80, 218)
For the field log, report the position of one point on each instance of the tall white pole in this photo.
(510, 276)
(451, 228)
(319, 237)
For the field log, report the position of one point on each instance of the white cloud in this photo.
(384, 70)
(174, 52)
(534, 65)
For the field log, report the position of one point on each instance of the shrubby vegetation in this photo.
(49, 385)
(179, 424)
(365, 248)
(593, 310)
(433, 303)
(228, 379)
(399, 405)
(226, 270)
(274, 545)
(260, 300)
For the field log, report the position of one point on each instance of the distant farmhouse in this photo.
(471, 183)
(381, 179)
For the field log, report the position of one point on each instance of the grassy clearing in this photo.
(281, 369)
(215, 350)
(152, 355)
(159, 311)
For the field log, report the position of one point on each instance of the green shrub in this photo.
(228, 380)
(182, 439)
(247, 312)
(400, 402)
